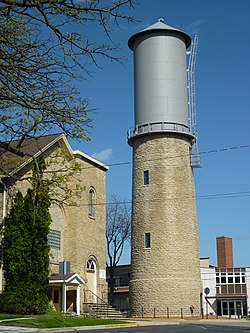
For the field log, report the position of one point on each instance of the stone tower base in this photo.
(165, 276)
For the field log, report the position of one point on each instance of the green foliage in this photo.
(26, 253)
(46, 47)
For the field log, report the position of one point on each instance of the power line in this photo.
(228, 195)
(224, 195)
(213, 151)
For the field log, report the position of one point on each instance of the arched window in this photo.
(90, 265)
(91, 202)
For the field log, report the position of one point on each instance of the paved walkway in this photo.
(141, 322)
(11, 329)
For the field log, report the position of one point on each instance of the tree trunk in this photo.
(111, 285)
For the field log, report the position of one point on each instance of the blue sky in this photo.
(223, 117)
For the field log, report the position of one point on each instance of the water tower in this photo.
(165, 276)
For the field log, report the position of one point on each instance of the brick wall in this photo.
(224, 252)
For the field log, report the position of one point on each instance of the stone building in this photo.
(77, 233)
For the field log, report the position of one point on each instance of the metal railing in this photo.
(160, 126)
(91, 297)
(159, 312)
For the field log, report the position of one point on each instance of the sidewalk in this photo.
(12, 329)
(131, 323)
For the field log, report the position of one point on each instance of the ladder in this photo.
(196, 159)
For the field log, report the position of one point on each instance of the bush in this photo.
(26, 252)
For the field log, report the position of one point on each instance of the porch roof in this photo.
(68, 279)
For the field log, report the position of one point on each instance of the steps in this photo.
(105, 310)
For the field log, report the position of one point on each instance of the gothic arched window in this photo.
(90, 265)
(91, 202)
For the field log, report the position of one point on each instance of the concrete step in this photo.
(106, 310)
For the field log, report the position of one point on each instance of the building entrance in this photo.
(91, 278)
(232, 308)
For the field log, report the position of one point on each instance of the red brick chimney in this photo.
(224, 252)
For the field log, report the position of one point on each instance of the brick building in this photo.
(225, 289)
(228, 287)
(224, 252)
(121, 283)
(77, 232)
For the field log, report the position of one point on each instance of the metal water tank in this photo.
(160, 70)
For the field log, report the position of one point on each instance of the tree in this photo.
(118, 233)
(26, 251)
(45, 48)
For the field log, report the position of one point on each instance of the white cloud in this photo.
(103, 155)
(194, 27)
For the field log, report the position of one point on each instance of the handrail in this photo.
(95, 296)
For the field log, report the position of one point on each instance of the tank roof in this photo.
(159, 26)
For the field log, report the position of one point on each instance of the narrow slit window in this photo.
(147, 240)
(146, 177)
(91, 203)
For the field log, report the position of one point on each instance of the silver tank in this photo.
(160, 80)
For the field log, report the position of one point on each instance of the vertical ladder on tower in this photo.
(195, 158)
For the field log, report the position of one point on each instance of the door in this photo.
(231, 309)
(238, 309)
(56, 297)
(91, 279)
(224, 308)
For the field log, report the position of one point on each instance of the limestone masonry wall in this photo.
(166, 276)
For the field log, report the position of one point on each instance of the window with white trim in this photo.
(230, 277)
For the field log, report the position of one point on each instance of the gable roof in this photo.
(90, 159)
(69, 279)
(31, 148)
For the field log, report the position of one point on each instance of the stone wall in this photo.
(82, 236)
(166, 276)
(85, 235)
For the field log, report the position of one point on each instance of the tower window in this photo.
(91, 202)
(147, 240)
(146, 177)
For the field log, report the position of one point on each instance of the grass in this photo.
(55, 320)
(8, 316)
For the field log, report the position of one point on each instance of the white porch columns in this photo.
(64, 298)
(78, 298)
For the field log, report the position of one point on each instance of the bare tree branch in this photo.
(118, 233)
(45, 46)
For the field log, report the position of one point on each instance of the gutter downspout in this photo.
(2, 231)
